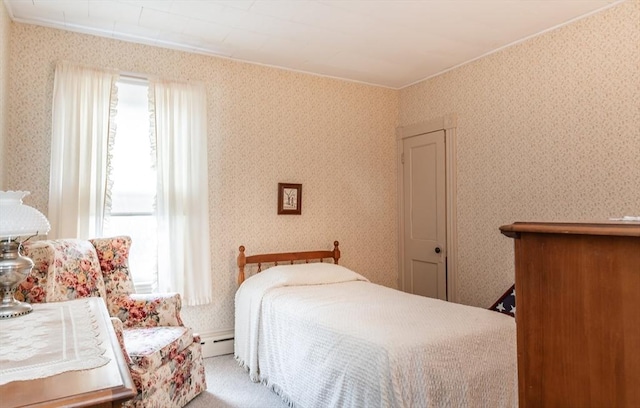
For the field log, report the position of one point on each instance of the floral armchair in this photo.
(164, 356)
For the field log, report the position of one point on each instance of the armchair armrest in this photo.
(142, 310)
(118, 327)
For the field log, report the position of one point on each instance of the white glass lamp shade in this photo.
(17, 219)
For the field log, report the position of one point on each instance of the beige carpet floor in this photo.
(229, 386)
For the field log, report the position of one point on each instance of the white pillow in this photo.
(316, 273)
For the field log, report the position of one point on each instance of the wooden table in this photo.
(107, 386)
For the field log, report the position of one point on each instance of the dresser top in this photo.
(613, 228)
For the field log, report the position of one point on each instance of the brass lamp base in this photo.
(14, 268)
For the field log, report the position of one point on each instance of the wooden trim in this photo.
(400, 201)
(448, 123)
(289, 257)
(627, 229)
(450, 135)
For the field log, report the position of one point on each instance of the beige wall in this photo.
(547, 130)
(265, 126)
(5, 24)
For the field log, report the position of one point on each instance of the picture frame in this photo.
(289, 198)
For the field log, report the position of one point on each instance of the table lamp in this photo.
(16, 220)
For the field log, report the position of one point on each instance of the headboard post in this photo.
(336, 252)
(242, 261)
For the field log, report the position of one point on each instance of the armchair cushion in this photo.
(151, 347)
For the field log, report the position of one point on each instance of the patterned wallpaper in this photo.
(548, 129)
(265, 126)
(5, 24)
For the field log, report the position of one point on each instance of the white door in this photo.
(424, 181)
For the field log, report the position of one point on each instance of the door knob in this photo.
(438, 250)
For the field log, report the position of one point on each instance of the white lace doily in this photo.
(54, 338)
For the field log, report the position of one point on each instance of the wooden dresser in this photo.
(578, 313)
(107, 386)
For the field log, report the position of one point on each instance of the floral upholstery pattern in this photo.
(148, 310)
(153, 346)
(118, 327)
(134, 310)
(34, 288)
(173, 384)
(73, 270)
(164, 356)
(113, 254)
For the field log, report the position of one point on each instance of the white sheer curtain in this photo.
(179, 116)
(82, 104)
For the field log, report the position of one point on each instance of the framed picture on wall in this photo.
(289, 198)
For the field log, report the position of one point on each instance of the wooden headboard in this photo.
(284, 257)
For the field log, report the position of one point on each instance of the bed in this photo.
(321, 335)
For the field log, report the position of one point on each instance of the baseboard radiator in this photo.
(216, 343)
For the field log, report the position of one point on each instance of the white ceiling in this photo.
(392, 43)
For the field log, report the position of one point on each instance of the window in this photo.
(104, 185)
(133, 190)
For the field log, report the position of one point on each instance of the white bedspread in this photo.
(352, 343)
